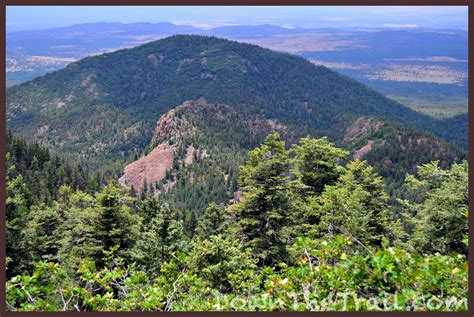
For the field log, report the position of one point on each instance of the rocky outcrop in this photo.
(177, 136)
(150, 168)
(170, 128)
(360, 127)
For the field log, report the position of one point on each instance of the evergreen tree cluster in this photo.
(45, 172)
(309, 222)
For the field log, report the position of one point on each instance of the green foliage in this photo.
(325, 277)
(80, 240)
(211, 222)
(41, 291)
(161, 235)
(220, 261)
(262, 214)
(16, 211)
(316, 164)
(43, 233)
(399, 150)
(114, 224)
(356, 206)
(45, 172)
(284, 246)
(440, 208)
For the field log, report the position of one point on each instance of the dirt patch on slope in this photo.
(359, 154)
(151, 167)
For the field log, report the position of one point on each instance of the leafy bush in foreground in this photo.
(326, 275)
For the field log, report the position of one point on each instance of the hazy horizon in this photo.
(20, 18)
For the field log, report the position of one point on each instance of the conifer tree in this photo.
(80, 240)
(17, 210)
(211, 222)
(161, 234)
(263, 212)
(218, 259)
(439, 213)
(115, 225)
(43, 234)
(357, 205)
(316, 165)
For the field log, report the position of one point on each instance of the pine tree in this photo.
(357, 205)
(316, 165)
(189, 217)
(80, 240)
(219, 260)
(17, 211)
(262, 214)
(149, 208)
(161, 234)
(42, 233)
(211, 222)
(115, 225)
(439, 209)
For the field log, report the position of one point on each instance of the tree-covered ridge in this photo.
(397, 150)
(275, 221)
(210, 141)
(312, 231)
(103, 108)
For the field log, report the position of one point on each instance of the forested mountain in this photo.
(248, 175)
(102, 110)
(395, 150)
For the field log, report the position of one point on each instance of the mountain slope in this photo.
(197, 148)
(103, 108)
(395, 150)
(195, 153)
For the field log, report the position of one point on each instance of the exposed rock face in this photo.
(169, 128)
(150, 168)
(360, 127)
(359, 154)
(189, 155)
(166, 128)
(190, 119)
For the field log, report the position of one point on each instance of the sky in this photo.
(43, 17)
